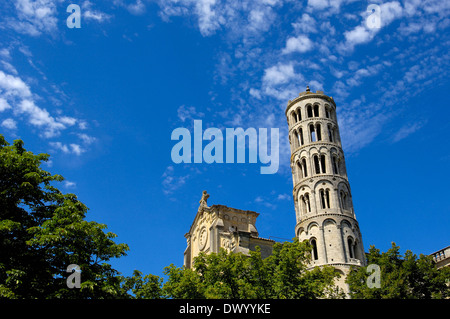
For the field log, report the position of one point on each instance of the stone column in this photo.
(342, 245)
(323, 250)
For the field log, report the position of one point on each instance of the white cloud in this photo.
(9, 67)
(262, 201)
(67, 149)
(407, 130)
(188, 113)
(67, 120)
(300, 44)
(60, 146)
(90, 14)
(40, 117)
(86, 138)
(359, 131)
(13, 86)
(284, 197)
(171, 183)
(306, 24)
(332, 6)
(278, 74)
(76, 149)
(69, 184)
(358, 35)
(390, 11)
(82, 125)
(358, 75)
(34, 17)
(281, 81)
(16, 94)
(243, 19)
(316, 85)
(4, 105)
(5, 53)
(253, 92)
(9, 124)
(136, 8)
(259, 199)
(318, 4)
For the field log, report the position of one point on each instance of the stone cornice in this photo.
(313, 120)
(311, 144)
(310, 179)
(325, 216)
(309, 95)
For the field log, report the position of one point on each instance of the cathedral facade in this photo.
(224, 227)
(321, 192)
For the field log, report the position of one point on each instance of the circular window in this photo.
(202, 238)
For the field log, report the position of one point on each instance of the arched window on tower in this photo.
(322, 164)
(343, 200)
(327, 112)
(315, 256)
(309, 111)
(294, 117)
(351, 247)
(324, 198)
(335, 165)
(295, 141)
(306, 203)
(332, 114)
(319, 132)
(300, 136)
(299, 114)
(327, 198)
(316, 164)
(312, 133)
(330, 133)
(299, 170)
(305, 171)
(316, 110)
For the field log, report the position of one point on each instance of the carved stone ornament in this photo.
(202, 238)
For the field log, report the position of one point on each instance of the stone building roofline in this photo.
(307, 95)
(225, 208)
(438, 251)
(265, 239)
(219, 209)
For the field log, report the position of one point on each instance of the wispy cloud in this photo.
(16, 95)
(171, 182)
(89, 13)
(189, 113)
(299, 44)
(69, 184)
(407, 130)
(34, 17)
(71, 148)
(9, 124)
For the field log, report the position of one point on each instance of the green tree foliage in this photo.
(402, 277)
(282, 275)
(138, 287)
(43, 231)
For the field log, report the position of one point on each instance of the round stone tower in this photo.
(322, 195)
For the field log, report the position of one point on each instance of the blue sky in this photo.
(103, 100)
